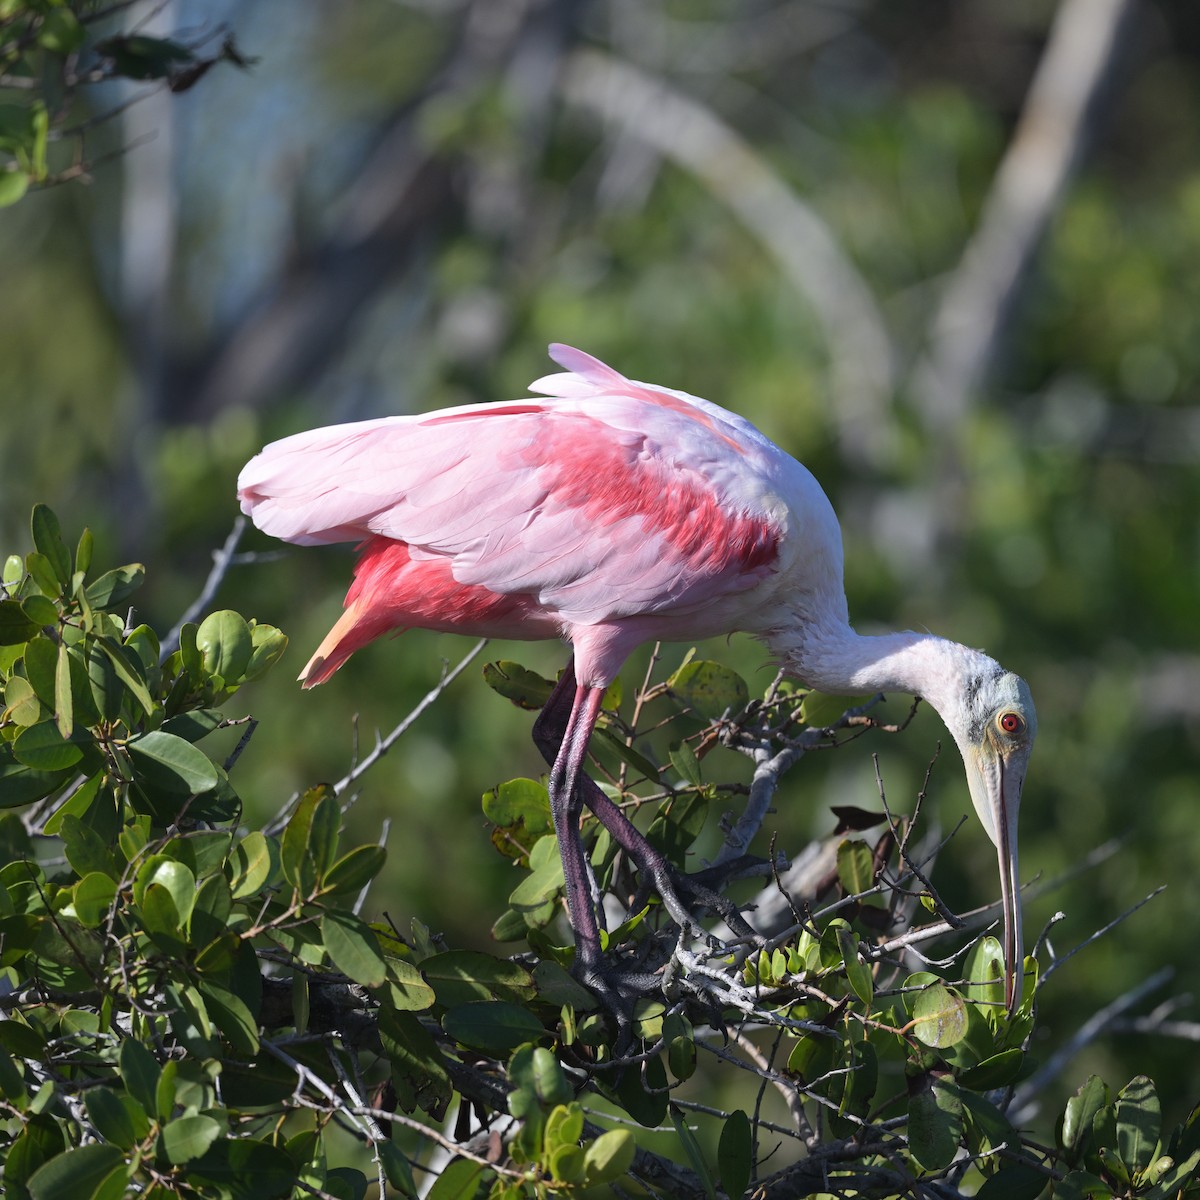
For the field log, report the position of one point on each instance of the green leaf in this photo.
(15, 627)
(353, 948)
(418, 1069)
(47, 539)
(245, 1169)
(93, 896)
(64, 701)
(939, 1016)
(855, 866)
(231, 1016)
(462, 1179)
(295, 854)
(735, 1154)
(997, 1071)
(858, 974)
(1080, 1112)
(41, 571)
(140, 1073)
(41, 610)
(250, 864)
(171, 764)
(129, 672)
(984, 971)
(406, 990)
(1139, 1123)
(523, 687)
(14, 184)
(494, 1026)
(555, 986)
(142, 57)
(174, 876)
(684, 760)
(83, 552)
(114, 586)
(352, 872)
(396, 1168)
(934, 1123)
(117, 1116)
(677, 1032)
(642, 1092)
(188, 1137)
(564, 1125)
(626, 753)
(608, 1158)
(1014, 1181)
(692, 1148)
(44, 748)
(460, 976)
(77, 1174)
(567, 1164)
(545, 877)
(12, 1082)
(194, 725)
(269, 645)
(710, 689)
(21, 785)
(108, 694)
(520, 808)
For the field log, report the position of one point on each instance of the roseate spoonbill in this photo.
(609, 512)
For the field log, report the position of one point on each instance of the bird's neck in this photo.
(833, 658)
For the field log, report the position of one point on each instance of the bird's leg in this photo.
(551, 732)
(564, 809)
(619, 990)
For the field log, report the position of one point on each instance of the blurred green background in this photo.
(833, 218)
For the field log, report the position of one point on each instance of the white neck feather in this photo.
(833, 658)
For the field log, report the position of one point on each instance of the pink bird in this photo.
(608, 513)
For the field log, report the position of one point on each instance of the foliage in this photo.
(195, 1009)
(46, 57)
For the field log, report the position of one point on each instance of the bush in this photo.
(194, 1009)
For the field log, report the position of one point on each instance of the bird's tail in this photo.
(352, 630)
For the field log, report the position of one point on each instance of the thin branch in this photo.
(804, 249)
(383, 745)
(1058, 962)
(978, 302)
(1088, 1032)
(222, 560)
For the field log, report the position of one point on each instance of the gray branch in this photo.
(807, 253)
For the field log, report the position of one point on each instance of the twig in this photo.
(977, 304)
(222, 560)
(1091, 1029)
(804, 249)
(1058, 962)
(383, 745)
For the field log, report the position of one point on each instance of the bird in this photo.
(608, 512)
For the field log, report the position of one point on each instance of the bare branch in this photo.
(1087, 1033)
(978, 302)
(807, 253)
(222, 560)
(383, 745)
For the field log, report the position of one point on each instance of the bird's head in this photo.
(993, 720)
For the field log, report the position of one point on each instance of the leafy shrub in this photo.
(194, 1009)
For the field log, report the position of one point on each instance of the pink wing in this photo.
(609, 500)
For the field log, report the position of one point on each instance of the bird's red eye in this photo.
(1010, 722)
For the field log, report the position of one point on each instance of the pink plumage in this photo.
(609, 512)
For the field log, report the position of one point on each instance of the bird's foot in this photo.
(682, 894)
(618, 986)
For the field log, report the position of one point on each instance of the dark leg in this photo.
(551, 733)
(580, 707)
